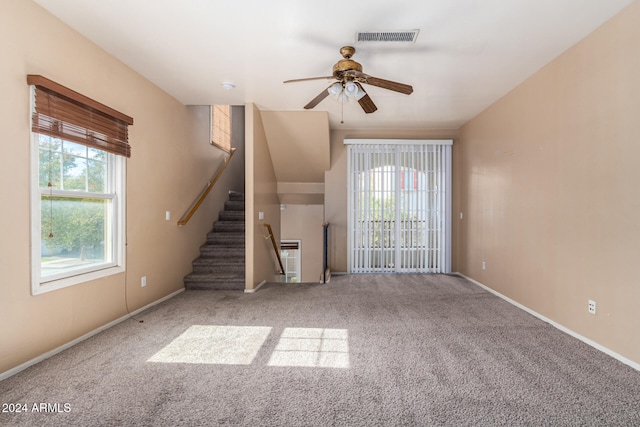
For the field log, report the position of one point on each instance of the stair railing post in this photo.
(325, 251)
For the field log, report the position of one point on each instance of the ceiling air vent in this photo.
(387, 36)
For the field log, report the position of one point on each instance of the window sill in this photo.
(44, 287)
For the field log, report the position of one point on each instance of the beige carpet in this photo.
(363, 350)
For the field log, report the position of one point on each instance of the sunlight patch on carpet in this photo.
(312, 347)
(211, 344)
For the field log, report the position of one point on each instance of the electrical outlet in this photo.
(484, 265)
(143, 281)
(592, 306)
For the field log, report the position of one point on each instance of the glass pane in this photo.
(50, 164)
(49, 143)
(97, 171)
(73, 234)
(75, 149)
(74, 172)
(94, 153)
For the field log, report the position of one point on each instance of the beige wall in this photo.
(169, 165)
(336, 184)
(548, 183)
(304, 223)
(261, 196)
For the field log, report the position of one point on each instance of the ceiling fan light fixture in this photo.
(350, 88)
(359, 94)
(335, 89)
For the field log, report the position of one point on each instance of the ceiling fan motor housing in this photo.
(346, 64)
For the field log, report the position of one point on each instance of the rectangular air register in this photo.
(387, 36)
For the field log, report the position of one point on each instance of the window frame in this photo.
(116, 170)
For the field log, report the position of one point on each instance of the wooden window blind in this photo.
(63, 113)
(221, 126)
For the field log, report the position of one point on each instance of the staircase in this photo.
(221, 265)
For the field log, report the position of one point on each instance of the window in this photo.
(78, 154)
(290, 254)
(221, 126)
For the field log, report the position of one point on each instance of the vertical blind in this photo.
(399, 203)
(62, 113)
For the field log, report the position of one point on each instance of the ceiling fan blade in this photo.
(388, 84)
(315, 101)
(365, 102)
(308, 78)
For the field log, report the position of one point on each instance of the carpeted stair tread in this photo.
(236, 197)
(221, 251)
(214, 281)
(231, 216)
(232, 205)
(229, 226)
(219, 261)
(237, 239)
(214, 277)
(225, 266)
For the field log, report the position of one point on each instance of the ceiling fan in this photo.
(350, 78)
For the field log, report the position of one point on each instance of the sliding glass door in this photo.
(399, 206)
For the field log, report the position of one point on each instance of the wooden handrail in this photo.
(203, 194)
(275, 246)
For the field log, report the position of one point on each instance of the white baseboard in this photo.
(70, 344)
(568, 331)
(254, 290)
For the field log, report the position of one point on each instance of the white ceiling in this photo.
(468, 54)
